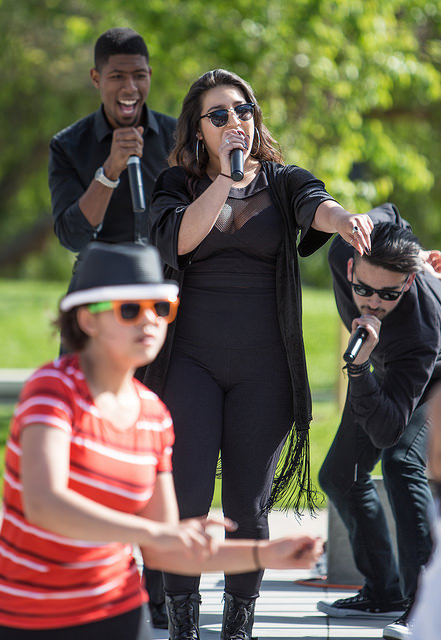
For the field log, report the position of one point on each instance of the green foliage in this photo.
(27, 312)
(350, 88)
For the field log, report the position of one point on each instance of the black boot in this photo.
(237, 622)
(183, 616)
(158, 615)
(154, 583)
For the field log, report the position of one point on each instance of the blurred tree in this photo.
(350, 88)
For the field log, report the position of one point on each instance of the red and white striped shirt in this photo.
(48, 580)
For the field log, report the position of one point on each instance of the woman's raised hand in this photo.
(231, 139)
(356, 230)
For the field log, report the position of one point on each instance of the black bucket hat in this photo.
(125, 271)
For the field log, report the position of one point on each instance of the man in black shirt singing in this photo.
(395, 294)
(87, 165)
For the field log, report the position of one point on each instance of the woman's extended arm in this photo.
(330, 217)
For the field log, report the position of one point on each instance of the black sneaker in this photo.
(361, 606)
(398, 630)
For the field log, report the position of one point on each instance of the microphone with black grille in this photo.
(136, 184)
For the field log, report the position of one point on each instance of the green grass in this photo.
(321, 331)
(28, 308)
(27, 311)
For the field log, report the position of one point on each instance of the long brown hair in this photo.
(184, 152)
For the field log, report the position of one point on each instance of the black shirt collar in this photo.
(103, 128)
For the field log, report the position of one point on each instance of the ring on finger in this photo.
(227, 141)
(355, 229)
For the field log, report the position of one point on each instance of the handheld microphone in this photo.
(236, 163)
(355, 344)
(136, 184)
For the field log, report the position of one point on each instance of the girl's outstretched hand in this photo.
(300, 552)
(189, 537)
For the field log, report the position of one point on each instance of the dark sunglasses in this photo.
(366, 292)
(219, 117)
(129, 312)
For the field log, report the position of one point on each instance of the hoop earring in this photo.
(198, 140)
(258, 143)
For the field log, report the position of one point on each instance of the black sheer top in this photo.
(229, 289)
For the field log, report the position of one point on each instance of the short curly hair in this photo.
(118, 41)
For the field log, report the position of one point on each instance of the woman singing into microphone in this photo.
(233, 371)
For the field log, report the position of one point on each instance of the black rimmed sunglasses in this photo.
(219, 117)
(366, 292)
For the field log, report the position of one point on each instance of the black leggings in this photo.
(239, 402)
(132, 625)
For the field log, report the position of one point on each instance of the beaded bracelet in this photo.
(356, 369)
(256, 556)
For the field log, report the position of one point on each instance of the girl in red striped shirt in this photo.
(88, 469)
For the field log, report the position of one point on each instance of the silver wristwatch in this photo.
(100, 176)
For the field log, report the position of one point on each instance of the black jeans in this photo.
(359, 506)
